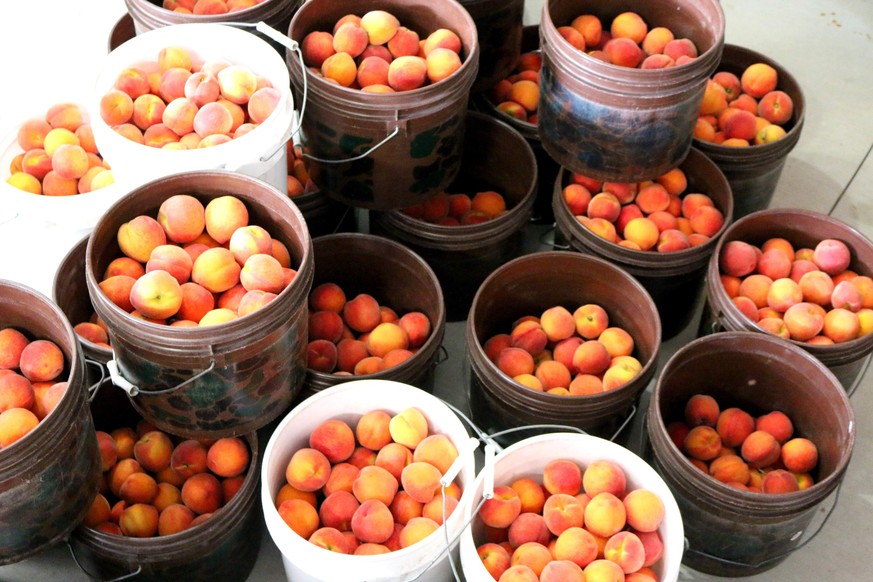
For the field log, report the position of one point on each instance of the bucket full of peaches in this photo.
(752, 434)
(799, 275)
(367, 480)
(661, 231)
(201, 279)
(751, 149)
(566, 506)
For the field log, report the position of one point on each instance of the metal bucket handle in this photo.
(133, 390)
(95, 387)
(92, 576)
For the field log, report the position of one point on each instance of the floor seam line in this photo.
(851, 179)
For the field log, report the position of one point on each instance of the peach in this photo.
(393, 457)
(816, 286)
(375, 482)
(227, 457)
(562, 476)
(865, 322)
(626, 550)
(437, 450)
(495, 558)
(777, 424)
(403, 507)
(572, 36)
(421, 480)
(138, 488)
(407, 72)
(334, 438)
(702, 443)
(701, 409)
(372, 522)
(623, 52)
(528, 527)
(738, 258)
(591, 357)
(370, 550)
(16, 391)
(188, 458)
(776, 107)
(502, 509)
(330, 539)
(308, 469)
(139, 520)
(337, 510)
(54, 185)
(760, 449)
(518, 573)
(157, 294)
(734, 425)
(361, 313)
(216, 270)
(605, 515)
(531, 495)
(153, 450)
(369, 365)
(775, 326)
(217, 316)
(758, 79)
(416, 530)
(841, 325)
(577, 197)
(783, 293)
(591, 320)
(316, 47)
(604, 475)
(138, 237)
(561, 512)
(24, 181)
(629, 25)
(730, 469)
(342, 476)
(496, 344)
(590, 27)
(41, 361)
(847, 296)
(117, 290)
(405, 42)
(529, 336)
(167, 495)
(442, 62)
(799, 455)
(804, 321)
(200, 88)
(120, 472)
(644, 510)
(768, 134)
(223, 215)
(172, 259)
(125, 438)
(779, 481)
(757, 287)
(552, 374)
(680, 50)
(442, 38)
(179, 116)
(372, 71)
(577, 545)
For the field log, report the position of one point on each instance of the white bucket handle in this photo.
(294, 46)
(133, 390)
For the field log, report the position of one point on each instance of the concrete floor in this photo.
(53, 50)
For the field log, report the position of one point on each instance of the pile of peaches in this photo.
(377, 54)
(359, 336)
(194, 265)
(179, 102)
(572, 525)
(745, 110)
(157, 484)
(369, 489)
(808, 295)
(657, 215)
(458, 209)
(30, 386)
(518, 95)
(569, 354)
(208, 6)
(629, 42)
(60, 157)
(299, 182)
(748, 453)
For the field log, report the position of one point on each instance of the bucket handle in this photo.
(95, 387)
(783, 555)
(92, 576)
(548, 238)
(294, 46)
(133, 390)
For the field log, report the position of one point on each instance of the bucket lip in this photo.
(648, 259)
(863, 344)
(764, 502)
(153, 549)
(390, 388)
(556, 401)
(198, 334)
(264, 8)
(640, 470)
(636, 78)
(777, 148)
(79, 247)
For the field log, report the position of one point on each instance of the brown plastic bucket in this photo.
(70, 293)
(529, 285)
(753, 172)
(221, 380)
(224, 547)
(547, 168)
(731, 532)
(389, 150)
(324, 215)
(150, 14)
(620, 124)
(499, 27)
(397, 278)
(674, 279)
(47, 478)
(497, 158)
(803, 228)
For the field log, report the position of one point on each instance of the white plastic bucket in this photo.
(305, 562)
(527, 459)
(259, 153)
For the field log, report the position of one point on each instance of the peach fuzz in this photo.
(502, 509)
(561, 512)
(702, 442)
(216, 270)
(562, 476)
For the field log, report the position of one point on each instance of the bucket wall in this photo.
(741, 533)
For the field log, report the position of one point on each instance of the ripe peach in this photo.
(407, 72)
(591, 357)
(561, 512)
(680, 47)
(157, 294)
(308, 469)
(337, 509)
(139, 236)
(756, 287)
(138, 488)
(495, 558)
(16, 391)
(405, 42)
(605, 515)
(701, 409)
(330, 539)
(41, 361)
(730, 468)
(188, 458)
(702, 443)
(758, 79)
(738, 258)
(416, 530)
(623, 52)
(799, 455)
(372, 522)
(179, 116)
(316, 47)
(841, 325)
(153, 450)
(403, 507)
(760, 449)
(626, 550)
(139, 520)
(442, 63)
(442, 38)
(562, 476)
(502, 509)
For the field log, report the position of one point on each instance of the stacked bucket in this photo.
(379, 156)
